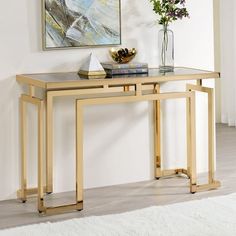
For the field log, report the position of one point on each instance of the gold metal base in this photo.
(172, 172)
(193, 187)
(61, 209)
(23, 194)
(156, 97)
(211, 186)
(110, 94)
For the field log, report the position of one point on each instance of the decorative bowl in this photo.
(122, 55)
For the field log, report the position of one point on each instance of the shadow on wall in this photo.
(9, 170)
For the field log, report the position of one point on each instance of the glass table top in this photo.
(154, 72)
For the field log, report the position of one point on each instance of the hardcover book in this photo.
(126, 71)
(114, 66)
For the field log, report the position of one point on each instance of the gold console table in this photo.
(109, 91)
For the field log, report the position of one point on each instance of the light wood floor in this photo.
(116, 199)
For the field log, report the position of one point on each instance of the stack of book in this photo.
(125, 69)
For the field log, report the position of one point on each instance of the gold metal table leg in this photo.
(49, 143)
(78, 205)
(79, 153)
(24, 99)
(191, 142)
(211, 136)
(23, 194)
(40, 156)
(212, 183)
(157, 138)
(157, 134)
(153, 97)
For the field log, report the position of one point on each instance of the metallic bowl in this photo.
(122, 55)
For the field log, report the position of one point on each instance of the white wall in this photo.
(118, 138)
(228, 69)
(217, 49)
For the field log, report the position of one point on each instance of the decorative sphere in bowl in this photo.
(122, 55)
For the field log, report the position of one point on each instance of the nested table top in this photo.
(52, 81)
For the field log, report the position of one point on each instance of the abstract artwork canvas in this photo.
(81, 23)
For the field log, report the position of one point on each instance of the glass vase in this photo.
(166, 49)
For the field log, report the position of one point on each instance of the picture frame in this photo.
(76, 24)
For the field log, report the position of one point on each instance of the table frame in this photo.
(104, 94)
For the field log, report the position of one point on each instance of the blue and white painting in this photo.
(79, 23)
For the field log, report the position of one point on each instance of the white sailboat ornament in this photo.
(92, 69)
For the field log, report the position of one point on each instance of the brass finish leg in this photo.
(152, 97)
(191, 136)
(79, 152)
(212, 183)
(157, 134)
(157, 139)
(211, 136)
(23, 193)
(42, 208)
(49, 144)
(188, 135)
(40, 156)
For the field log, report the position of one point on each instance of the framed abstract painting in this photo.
(81, 23)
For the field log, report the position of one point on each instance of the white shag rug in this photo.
(208, 217)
